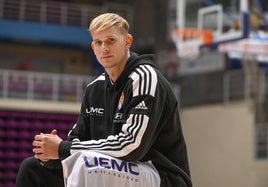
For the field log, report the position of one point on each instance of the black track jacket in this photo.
(134, 119)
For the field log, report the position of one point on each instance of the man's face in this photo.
(111, 47)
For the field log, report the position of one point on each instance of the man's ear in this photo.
(129, 40)
(92, 47)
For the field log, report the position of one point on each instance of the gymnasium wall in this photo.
(221, 148)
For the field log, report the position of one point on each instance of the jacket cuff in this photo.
(64, 149)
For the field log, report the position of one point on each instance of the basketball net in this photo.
(189, 40)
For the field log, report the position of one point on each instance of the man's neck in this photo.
(115, 72)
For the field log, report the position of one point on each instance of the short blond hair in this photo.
(107, 20)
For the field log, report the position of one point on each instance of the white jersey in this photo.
(88, 168)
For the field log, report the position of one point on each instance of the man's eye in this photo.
(110, 40)
(98, 43)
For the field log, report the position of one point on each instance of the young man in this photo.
(128, 132)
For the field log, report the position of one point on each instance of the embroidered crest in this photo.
(121, 101)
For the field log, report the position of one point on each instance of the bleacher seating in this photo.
(17, 130)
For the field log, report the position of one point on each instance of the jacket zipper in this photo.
(110, 107)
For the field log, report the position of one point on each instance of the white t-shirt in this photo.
(88, 168)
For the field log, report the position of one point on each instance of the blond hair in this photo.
(107, 20)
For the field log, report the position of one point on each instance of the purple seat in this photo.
(9, 184)
(24, 143)
(3, 113)
(43, 88)
(3, 133)
(50, 116)
(11, 154)
(25, 124)
(24, 154)
(2, 163)
(27, 135)
(2, 175)
(67, 90)
(14, 114)
(2, 154)
(28, 115)
(2, 123)
(12, 144)
(11, 165)
(63, 126)
(11, 133)
(2, 144)
(37, 124)
(71, 117)
(18, 85)
(12, 123)
(11, 175)
(50, 125)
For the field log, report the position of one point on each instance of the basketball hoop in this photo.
(189, 40)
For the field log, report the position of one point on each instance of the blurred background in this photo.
(213, 52)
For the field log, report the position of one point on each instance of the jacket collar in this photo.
(134, 61)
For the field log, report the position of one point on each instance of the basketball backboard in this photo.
(226, 19)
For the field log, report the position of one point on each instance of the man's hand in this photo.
(46, 146)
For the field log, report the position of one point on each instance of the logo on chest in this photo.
(121, 101)
(95, 111)
(119, 117)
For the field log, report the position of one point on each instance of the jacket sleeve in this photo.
(144, 112)
(79, 130)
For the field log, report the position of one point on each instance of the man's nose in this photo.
(104, 47)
